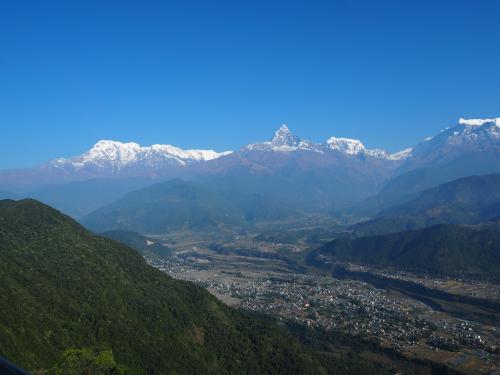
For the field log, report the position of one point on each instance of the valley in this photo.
(273, 280)
(325, 242)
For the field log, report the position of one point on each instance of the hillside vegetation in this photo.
(73, 302)
(441, 250)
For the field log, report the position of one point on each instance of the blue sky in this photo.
(221, 74)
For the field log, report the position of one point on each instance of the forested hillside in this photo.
(71, 300)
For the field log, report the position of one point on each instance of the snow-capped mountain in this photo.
(355, 147)
(285, 141)
(118, 155)
(347, 145)
(478, 140)
(109, 160)
(471, 147)
(471, 131)
(468, 137)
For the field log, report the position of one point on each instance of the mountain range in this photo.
(338, 175)
(108, 159)
(284, 141)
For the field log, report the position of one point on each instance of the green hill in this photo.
(180, 204)
(441, 250)
(71, 300)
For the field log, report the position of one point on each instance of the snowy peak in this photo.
(117, 155)
(105, 150)
(282, 131)
(113, 155)
(469, 135)
(356, 147)
(468, 130)
(190, 155)
(284, 137)
(346, 145)
(283, 140)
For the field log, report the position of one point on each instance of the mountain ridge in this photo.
(284, 141)
(443, 250)
(467, 200)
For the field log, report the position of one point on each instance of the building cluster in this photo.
(348, 305)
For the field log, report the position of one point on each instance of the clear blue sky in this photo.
(221, 74)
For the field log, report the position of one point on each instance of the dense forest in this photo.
(73, 302)
(438, 250)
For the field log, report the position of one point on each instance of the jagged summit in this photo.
(285, 141)
(284, 137)
(283, 129)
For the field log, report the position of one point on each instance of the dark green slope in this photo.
(468, 200)
(64, 288)
(441, 249)
(180, 204)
